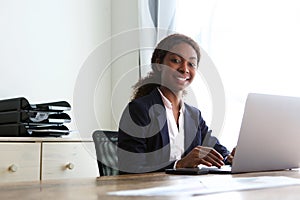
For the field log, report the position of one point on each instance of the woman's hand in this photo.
(231, 156)
(201, 155)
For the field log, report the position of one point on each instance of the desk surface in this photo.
(97, 189)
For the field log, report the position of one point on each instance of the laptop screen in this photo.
(269, 137)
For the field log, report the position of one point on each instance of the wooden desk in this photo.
(97, 189)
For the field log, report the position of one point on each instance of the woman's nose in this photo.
(184, 68)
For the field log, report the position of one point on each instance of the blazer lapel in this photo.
(160, 112)
(190, 130)
(163, 141)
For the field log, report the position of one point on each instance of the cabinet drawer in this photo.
(68, 160)
(19, 162)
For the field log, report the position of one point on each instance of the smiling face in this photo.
(178, 67)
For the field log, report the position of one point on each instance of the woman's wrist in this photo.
(178, 164)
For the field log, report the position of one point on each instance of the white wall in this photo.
(45, 45)
(104, 83)
(125, 53)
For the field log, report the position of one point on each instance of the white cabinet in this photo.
(68, 160)
(19, 162)
(35, 159)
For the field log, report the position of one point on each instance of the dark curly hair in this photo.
(145, 85)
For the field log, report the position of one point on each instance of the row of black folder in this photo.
(20, 118)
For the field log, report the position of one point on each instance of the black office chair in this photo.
(106, 151)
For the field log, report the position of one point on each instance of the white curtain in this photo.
(254, 46)
(156, 20)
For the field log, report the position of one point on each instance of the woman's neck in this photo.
(174, 98)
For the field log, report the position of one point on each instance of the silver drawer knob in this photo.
(70, 166)
(13, 168)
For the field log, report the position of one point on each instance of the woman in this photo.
(157, 129)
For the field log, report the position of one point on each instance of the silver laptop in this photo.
(269, 137)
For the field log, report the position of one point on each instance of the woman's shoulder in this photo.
(148, 100)
(192, 109)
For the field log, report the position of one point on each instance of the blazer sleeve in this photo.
(131, 139)
(207, 139)
(136, 150)
(211, 141)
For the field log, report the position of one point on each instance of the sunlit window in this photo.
(254, 46)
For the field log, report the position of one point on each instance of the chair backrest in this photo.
(106, 151)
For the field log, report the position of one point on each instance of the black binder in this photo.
(20, 118)
(21, 103)
(33, 130)
(28, 116)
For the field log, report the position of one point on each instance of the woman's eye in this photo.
(193, 65)
(175, 60)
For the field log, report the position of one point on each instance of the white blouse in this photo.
(176, 134)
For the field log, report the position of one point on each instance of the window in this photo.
(252, 44)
